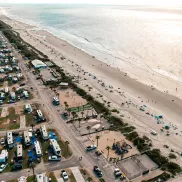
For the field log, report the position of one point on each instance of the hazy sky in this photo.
(121, 2)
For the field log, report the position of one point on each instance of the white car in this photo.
(2, 141)
(54, 158)
(91, 147)
(64, 175)
(2, 167)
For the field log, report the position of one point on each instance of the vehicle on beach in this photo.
(91, 147)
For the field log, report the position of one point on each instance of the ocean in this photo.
(134, 39)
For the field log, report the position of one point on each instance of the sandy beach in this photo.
(118, 87)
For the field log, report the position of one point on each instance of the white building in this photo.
(3, 156)
(55, 146)
(26, 138)
(38, 64)
(63, 85)
(44, 132)
(9, 137)
(38, 148)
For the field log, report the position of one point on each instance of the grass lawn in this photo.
(29, 119)
(31, 179)
(52, 176)
(13, 122)
(12, 115)
(65, 151)
(45, 146)
(11, 155)
(13, 180)
(72, 178)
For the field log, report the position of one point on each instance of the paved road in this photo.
(75, 140)
(48, 167)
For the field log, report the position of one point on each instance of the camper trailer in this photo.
(26, 138)
(44, 132)
(55, 146)
(19, 152)
(38, 149)
(9, 137)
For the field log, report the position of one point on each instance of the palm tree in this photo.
(65, 104)
(89, 128)
(67, 143)
(108, 149)
(79, 120)
(32, 125)
(101, 117)
(97, 138)
(32, 165)
(82, 113)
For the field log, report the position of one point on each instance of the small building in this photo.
(55, 146)
(25, 93)
(9, 138)
(44, 132)
(42, 178)
(63, 85)
(3, 156)
(19, 152)
(38, 149)
(39, 114)
(26, 138)
(28, 108)
(12, 95)
(37, 64)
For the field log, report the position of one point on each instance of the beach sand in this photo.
(157, 100)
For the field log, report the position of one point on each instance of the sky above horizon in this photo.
(118, 2)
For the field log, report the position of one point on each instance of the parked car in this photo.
(16, 166)
(64, 175)
(2, 167)
(15, 133)
(97, 170)
(98, 152)
(91, 147)
(22, 84)
(54, 158)
(117, 172)
(2, 141)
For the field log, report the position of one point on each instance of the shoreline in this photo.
(101, 70)
(161, 79)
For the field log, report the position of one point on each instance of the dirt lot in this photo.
(11, 120)
(71, 97)
(107, 138)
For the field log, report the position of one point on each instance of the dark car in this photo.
(22, 84)
(16, 166)
(15, 133)
(97, 171)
